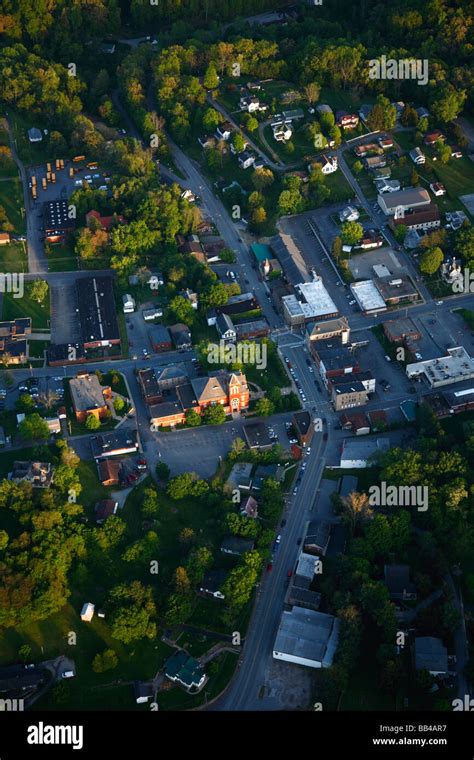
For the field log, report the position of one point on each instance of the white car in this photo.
(439, 303)
(308, 450)
(88, 176)
(278, 539)
(68, 674)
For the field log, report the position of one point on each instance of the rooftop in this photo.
(307, 634)
(86, 393)
(311, 301)
(456, 366)
(367, 296)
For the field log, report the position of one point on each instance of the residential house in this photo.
(246, 159)
(375, 162)
(143, 691)
(422, 112)
(224, 131)
(430, 654)
(4, 238)
(385, 142)
(185, 670)
(282, 131)
(346, 120)
(193, 298)
(212, 583)
(417, 156)
(149, 315)
(236, 545)
(349, 214)
(324, 108)
(207, 141)
(432, 137)
(109, 472)
(249, 103)
(225, 328)
(39, 474)
(89, 397)
(160, 338)
(357, 423)
(397, 580)
(35, 135)
(249, 507)
(94, 218)
(329, 164)
(318, 535)
(437, 189)
(387, 185)
(104, 508)
(128, 304)
(181, 336)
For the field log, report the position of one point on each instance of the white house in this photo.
(282, 132)
(249, 103)
(34, 135)
(349, 214)
(224, 131)
(128, 304)
(87, 612)
(246, 159)
(437, 189)
(225, 328)
(150, 314)
(328, 164)
(307, 637)
(417, 156)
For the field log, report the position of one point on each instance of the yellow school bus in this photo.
(76, 159)
(43, 182)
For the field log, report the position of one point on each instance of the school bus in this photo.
(93, 165)
(71, 171)
(48, 167)
(33, 180)
(43, 182)
(53, 177)
(48, 176)
(61, 163)
(33, 192)
(76, 159)
(58, 164)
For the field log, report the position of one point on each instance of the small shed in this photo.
(87, 612)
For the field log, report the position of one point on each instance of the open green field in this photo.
(26, 307)
(61, 258)
(11, 198)
(30, 153)
(13, 257)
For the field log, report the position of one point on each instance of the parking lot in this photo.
(64, 185)
(361, 264)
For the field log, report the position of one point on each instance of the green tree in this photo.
(193, 419)
(211, 119)
(357, 167)
(238, 142)
(214, 415)
(251, 124)
(431, 260)
(162, 471)
(211, 78)
(351, 233)
(92, 422)
(182, 310)
(108, 660)
(33, 427)
(119, 404)
(443, 151)
(264, 407)
(262, 178)
(39, 290)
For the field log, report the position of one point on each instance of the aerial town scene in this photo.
(237, 356)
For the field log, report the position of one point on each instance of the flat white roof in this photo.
(314, 300)
(458, 365)
(367, 296)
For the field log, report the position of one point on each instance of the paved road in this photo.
(36, 256)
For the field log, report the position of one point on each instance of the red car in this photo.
(269, 567)
(290, 573)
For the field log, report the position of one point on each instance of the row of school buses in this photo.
(51, 175)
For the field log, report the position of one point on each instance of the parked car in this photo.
(269, 567)
(290, 573)
(283, 523)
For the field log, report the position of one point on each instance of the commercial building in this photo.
(365, 377)
(395, 290)
(307, 637)
(97, 312)
(303, 425)
(160, 338)
(357, 454)
(89, 397)
(258, 328)
(181, 336)
(114, 444)
(57, 220)
(368, 297)
(348, 395)
(311, 302)
(332, 328)
(333, 359)
(398, 330)
(456, 367)
(410, 198)
(256, 435)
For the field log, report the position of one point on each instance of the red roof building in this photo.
(106, 221)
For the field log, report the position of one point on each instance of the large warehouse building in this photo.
(311, 302)
(410, 198)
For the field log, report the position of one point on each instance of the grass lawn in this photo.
(26, 307)
(13, 257)
(36, 348)
(11, 198)
(30, 153)
(61, 259)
